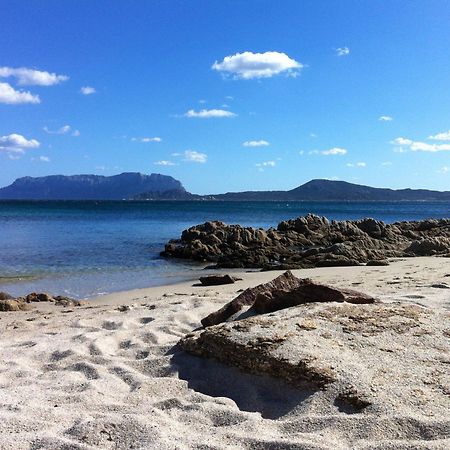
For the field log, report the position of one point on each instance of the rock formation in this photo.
(216, 280)
(382, 357)
(9, 303)
(310, 241)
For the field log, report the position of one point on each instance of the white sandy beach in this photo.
(104, 376)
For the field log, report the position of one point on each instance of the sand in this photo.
(107, 376)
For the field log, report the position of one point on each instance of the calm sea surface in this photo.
(83, 249)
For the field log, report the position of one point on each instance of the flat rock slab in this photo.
(216, 280)
(379, 357)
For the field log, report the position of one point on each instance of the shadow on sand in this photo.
(271, 397)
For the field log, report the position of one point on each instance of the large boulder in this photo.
(382, 358)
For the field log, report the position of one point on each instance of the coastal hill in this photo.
(89, 187)
(137, 186)
(329, 190)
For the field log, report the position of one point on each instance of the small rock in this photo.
(215, 280)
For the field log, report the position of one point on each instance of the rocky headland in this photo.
(311, 241)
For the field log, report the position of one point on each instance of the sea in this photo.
(84, 249)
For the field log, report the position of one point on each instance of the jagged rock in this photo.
(215, 280)
(285, 281)
(307, 292)
(310, 241)
(432, 246)
(379, 357)
(5, 296)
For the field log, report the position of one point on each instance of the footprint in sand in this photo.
(87, 370)
(111, 325)
(145, 320)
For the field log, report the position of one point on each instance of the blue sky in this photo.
(228, 95)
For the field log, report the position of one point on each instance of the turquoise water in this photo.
(83, 249)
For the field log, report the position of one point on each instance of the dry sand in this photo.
(104, 376)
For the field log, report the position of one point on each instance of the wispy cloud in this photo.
(164, 163)
(44, 158)
(358, 164)
(11, 96)
(194, 156)
(147, 139)
(444, 170)
(209, 113)
(260, 143)
(87, 90)
(17, 144)
(266, 164)
(385, 119)
(418, 146)
(32, 77)
(342, 51)
(334, 151)
(386, 163)
(444, 136)
(66, 129)
(248, 65)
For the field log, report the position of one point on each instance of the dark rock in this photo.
(5, 296)
(285, 281)
(310, 241)
(307, 292)
(215, 280)
(377, 262)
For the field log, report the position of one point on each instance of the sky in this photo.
(228, 95)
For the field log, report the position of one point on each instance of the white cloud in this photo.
(66, 129)
(266, 164)
(385, 119)
(444, 136)
(87, 90)
(63, 130)
(11, 96)
(194, 156)
(147, 139)
(386, 163)
(31, 77)
(16, 143)
(334, 151)
(208, 113)
(358, 164)
(343, 51)
(260, 143)
(44, 159)
(444, 169)
(164, 163)
(248, 65)
(418, 146)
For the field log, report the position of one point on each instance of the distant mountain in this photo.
(89, 187)
(136, 186)
(328, 190)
